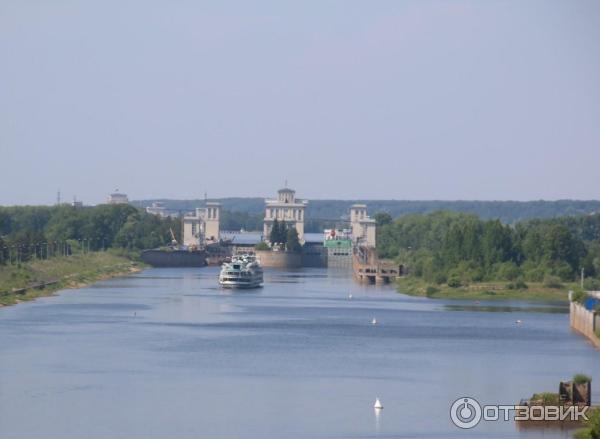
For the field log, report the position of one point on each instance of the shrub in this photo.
(591, 284)
(535, 274)
(583, 433)
(517, 285)
(507, 271)
(552, 282)
(593, 423)
(454, 281)
(581, 378)
(520, 284)
(579, 296)
(563, 270)
(430, 291)
(440, 278)
(262, 246)
(546, 398)
(477, 275)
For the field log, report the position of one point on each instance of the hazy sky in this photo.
(344, 99)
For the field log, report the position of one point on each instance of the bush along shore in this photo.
(39, 278)
(454, 255)
(498, 290)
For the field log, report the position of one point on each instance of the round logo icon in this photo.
(465, 412)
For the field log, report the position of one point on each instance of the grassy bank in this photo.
(62, 272)
(482, 291)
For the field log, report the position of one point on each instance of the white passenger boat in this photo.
(244, 271)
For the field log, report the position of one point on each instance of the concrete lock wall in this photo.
(314, 257)
(176, 258)
(273, 259)
(584, 322)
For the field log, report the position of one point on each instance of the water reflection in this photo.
(377, 420)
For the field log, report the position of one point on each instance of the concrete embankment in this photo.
(273, 259)
(585, 322)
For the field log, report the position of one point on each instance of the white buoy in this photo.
(350, 296)
(518, 322)
(377, 404)
(374, 321)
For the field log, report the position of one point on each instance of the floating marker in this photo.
(377, 404)
(374, 321)
(350, 296)
(518, 322)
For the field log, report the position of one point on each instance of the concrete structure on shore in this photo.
(368, 268)
(363, 227)
(279, 259)
(202, 227)
(117, 198)
(584, 321)
(285, 208)
(338, 247)
(157, 209)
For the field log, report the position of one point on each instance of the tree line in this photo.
(320, 211)
(458, 248)
(29, 232)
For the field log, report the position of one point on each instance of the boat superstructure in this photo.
(244, 271)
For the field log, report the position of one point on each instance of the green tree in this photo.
(274, 234)
(292, 242)
(262, 246)
(3, 252)
(383, 218)
(283, 232)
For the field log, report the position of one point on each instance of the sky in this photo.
(456, 99)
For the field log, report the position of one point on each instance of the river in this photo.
(167, 354)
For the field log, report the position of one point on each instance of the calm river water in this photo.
(167, 354)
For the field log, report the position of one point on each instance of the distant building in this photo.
(285, 208)
(202, 226)
(76, 203)
(363, 227)
(338, 247)
(158, 209)
(117, 198)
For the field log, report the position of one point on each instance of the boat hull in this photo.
(239, 285)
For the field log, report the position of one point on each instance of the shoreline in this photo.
(481, 291)
(79, 272)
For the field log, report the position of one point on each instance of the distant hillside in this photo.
(507, 211)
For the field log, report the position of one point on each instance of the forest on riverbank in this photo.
(38, 232)
(447, 251)
(45, 248)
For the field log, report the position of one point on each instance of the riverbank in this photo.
(43, 278)
(482, 291)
